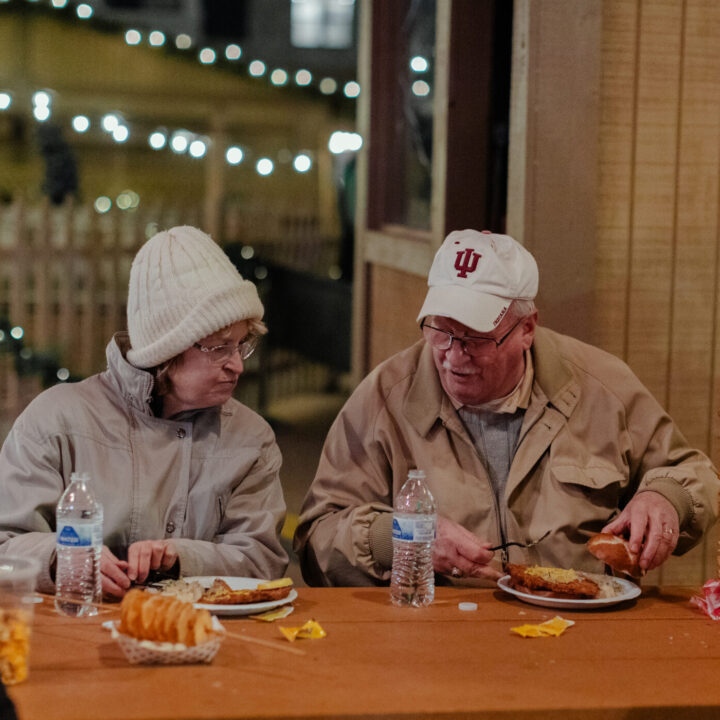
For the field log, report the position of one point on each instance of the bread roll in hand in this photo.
(615, 551)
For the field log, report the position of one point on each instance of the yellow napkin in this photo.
(550, 628)
(310, 630)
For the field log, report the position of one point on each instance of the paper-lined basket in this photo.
(148, 652)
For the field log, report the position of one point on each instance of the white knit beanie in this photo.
(183, 287)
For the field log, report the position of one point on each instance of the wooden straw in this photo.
(104, 607)
(266, 643)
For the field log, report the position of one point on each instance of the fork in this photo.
(530, 544)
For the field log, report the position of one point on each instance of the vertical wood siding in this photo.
(657, 260)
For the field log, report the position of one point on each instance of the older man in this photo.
(520, 430)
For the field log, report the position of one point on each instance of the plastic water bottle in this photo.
(414, 523)
(79, 519)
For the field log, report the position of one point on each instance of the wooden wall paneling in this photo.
(616, 167)
(695, 279)
(654, 200)
(690, 393)
(395, 300)
(552, 187)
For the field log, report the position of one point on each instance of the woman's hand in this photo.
(459, 553)
(147, 555)
(113, 571)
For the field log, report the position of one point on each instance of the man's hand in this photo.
(652, 518)
(456, 547)
(147, 555)
(115, 581)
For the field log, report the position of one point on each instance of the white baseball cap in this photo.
(476, 275)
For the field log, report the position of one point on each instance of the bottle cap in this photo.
(416, 474)
(467, 606)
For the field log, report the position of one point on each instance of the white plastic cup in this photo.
(17, 588)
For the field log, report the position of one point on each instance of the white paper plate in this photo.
(239, 583)
(630, 591)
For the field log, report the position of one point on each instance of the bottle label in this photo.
(77, 534)
(414, 528)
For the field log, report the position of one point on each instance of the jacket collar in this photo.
(427, 402)
(552, 374)
(133, 384)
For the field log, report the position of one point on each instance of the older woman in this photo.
(187, 476)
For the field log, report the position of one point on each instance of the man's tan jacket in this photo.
(591, 438)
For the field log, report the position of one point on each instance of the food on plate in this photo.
(220, 593)
(614, 551)
(555, 581)
(270, 584)
(163, 618)
(607, 587)
(14, 645)
(182, 589)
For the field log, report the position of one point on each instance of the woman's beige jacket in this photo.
(207, 479)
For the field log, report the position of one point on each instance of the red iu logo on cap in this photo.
(468, 263)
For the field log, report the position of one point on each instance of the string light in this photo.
(157, 140)
(264, 166)
(133, 37)
(102, 204)
(419, 64)
(351, 89)
(110, 122)
(233, 52)
(207, 56)
(80, 123)
(127, 200)
(84, 11)
(179, 142)
(120, 134)
(41, 112)
(328, 86)
(156, 38)
(183, 41)
(302, 163)
(341, 142)
(234, 155)
(420, 88)
(41, 105)
(5, 100)
(278, 77)
(303, 77)
(41, 98)
(198, 148)
(256, 68)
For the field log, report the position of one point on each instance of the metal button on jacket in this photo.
(170, 527)
(181, 433)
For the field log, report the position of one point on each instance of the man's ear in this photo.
(527, 327)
